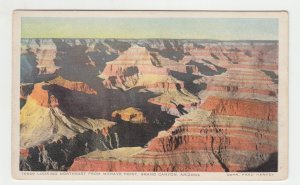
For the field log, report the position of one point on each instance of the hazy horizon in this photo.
(229, 29)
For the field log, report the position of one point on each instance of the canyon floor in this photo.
(148, 105)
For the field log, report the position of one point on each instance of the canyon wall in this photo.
(149, 105)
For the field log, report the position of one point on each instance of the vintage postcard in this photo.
(150, 95)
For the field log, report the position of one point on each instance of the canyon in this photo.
(148, 105)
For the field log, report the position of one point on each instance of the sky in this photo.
(146, 28)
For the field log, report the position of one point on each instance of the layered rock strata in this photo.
(224, 95)
(198, 141)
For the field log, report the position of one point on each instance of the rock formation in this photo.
(130, 114)
(43, 125)
(242, 108)
(42, 120)
(198, 141)
(132, 68)
(45, 52)
(90, 115)
(73, 86)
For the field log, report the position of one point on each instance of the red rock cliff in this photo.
(243, 108)
(73, 85)
(199, 141)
